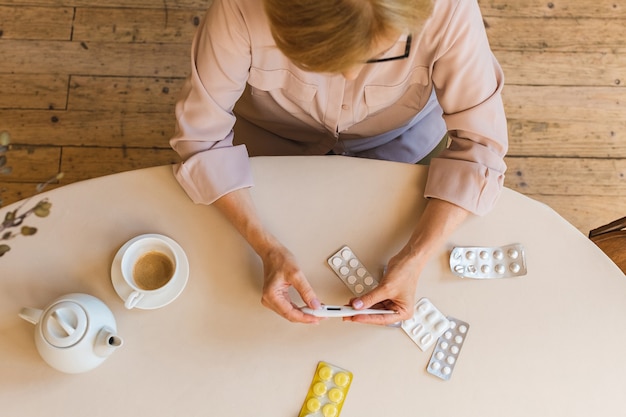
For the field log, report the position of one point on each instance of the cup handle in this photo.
(133, 299)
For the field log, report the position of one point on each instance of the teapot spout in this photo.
(106, 342)
(31, 315)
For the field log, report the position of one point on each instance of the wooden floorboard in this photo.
(89, 88)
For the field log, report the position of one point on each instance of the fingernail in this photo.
(357, 304)
(315, 303)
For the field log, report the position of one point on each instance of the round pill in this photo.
(313, 405)
(459, 269)
(514, 267)
(463, 328)
(450, 360)
(470, 255)
(498, 254)
(484, 254)
(454, 349)
(319, 389)
(439, 355)
(368, 280)
(346, 254)
(423, 307)
(435, 365)
(513, 253)
(351, 279)
(456, 254)
(458, 339)
(485, 269)
(337, 261)
(330, 410)
(325, 373)
(353, 263)
(452, 324)
(499, 268)
(341, 379)
(358, 288)
(361, 272)
(443, 345)
(446, 370)
(344, 270)
(471, 269)
(448, 335)
(335, 395)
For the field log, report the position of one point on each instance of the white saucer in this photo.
(159, 300)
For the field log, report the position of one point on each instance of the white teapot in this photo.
(75, 333)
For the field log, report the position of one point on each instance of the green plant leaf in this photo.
(42, 209)
(4, 249)
(28, 231)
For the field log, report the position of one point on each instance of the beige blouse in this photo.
(244, 97)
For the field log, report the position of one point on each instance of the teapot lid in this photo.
(64, 324)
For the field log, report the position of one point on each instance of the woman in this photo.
(383, 79)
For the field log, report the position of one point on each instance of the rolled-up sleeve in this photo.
(211, 165)
(468, 82)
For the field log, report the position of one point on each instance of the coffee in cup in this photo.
(148, 268)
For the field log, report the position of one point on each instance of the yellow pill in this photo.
(313, 405)
(330, 410)
(319, 389)
(342, 379)
(335, 395)
(325, 373)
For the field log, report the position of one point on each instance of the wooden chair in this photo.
(611, 238)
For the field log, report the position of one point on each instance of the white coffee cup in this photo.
(149, 267)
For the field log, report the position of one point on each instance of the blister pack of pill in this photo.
(426, 325)
(480, 262)
(351, 271)
(447, 349)
(327, 392)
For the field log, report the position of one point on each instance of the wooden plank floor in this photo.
(88, 88)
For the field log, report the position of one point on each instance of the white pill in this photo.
(484, 254)
(463, 328)
(435, 366)
(446, 370)
(458, 339)
(337, 261)
(426, 339)
(498, 254)
(440, 326)
(454, 349)
(344, 270)
(361, 272)
(485, 269)
(448, 335)
(439, 355)
(514, 267)
(513, 253)
(450, 360)
(358, 288)
(471, 269)
(443, 345)
(351, 279)
(452, 324)
(368, 280)
(417, 329)
(353, 263)
(346, 254)
(459, 269)
(499, 269)
(470, 255)
(431, 317)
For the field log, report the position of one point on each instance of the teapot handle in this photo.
(31, 315)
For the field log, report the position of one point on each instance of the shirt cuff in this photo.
(469, 185)
(208, 175)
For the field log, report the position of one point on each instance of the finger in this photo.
(377, 319)
(377, 295)
(306, 292)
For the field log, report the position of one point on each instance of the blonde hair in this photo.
(333, 35)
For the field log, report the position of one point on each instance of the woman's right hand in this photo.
(281, 271)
